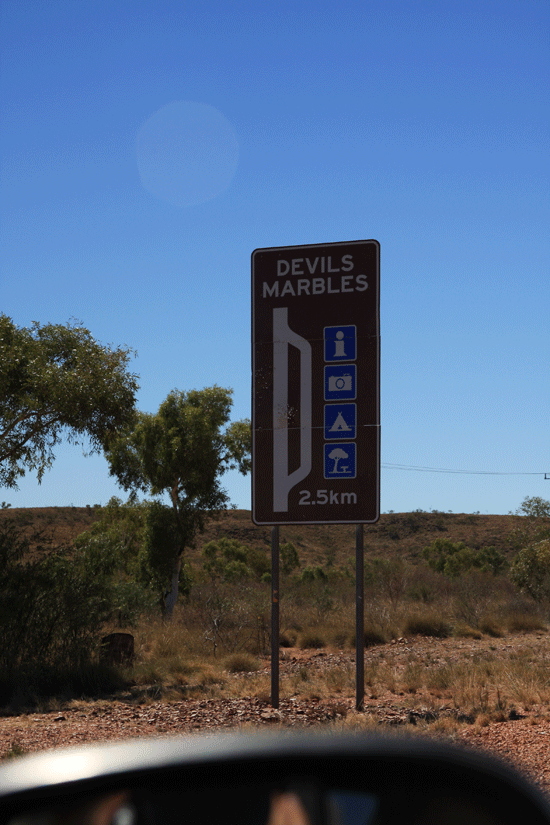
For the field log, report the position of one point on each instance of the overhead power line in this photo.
(460, 472)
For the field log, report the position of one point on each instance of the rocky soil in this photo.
(521, 736)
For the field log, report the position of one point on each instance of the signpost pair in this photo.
(316, 400)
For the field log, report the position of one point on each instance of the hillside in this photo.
(401, 535)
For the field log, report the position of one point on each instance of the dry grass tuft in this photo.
(312, 641)
(373, 637)
(427, 624)
(241, 663)
(464, 631)
(524, 622)
(491, 627)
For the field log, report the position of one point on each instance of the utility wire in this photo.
(458, 472)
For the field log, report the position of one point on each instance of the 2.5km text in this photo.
(327, 497)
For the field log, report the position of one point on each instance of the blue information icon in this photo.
(340, 421)
(340, 343)
(340, 382)
(340, 460)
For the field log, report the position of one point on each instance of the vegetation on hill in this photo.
(94, 570)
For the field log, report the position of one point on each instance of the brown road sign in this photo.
(316, 383)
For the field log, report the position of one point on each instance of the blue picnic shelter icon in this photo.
(340, 460)
(340, 343)
(340, 421)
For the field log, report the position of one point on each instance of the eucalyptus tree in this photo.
(182, 451)
(58, 383)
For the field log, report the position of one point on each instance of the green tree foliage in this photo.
(119, 540)
(530, 570)
(229, 595)
(123, 524)
(160, 548)
(534, 507)
(182, 451)
(226, 560)
(230, 561)
(311, 574)
(53, 607)
(57, 382)
(290, 560)
(454, 559)
(389, 576)
(140, 539)
(532, 522)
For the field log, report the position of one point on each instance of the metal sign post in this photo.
(275, 617)
(359, 619)
(316, 394)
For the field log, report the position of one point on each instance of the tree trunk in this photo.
(171, 596)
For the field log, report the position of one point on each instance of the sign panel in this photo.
(315, 384)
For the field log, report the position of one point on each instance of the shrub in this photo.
(464, 631)
(372, 637)
(490, 560)
(530, 570)
(490, 627)
(241, 663)
(312, 640)
(124, 541)
(454, 559)
(54, 607)
(310, 574)
(532, 522)
(389, 576)
(526, 622)
(230, 561)
(427, 625)
(14, 751)
(289, 558)
(340, 638)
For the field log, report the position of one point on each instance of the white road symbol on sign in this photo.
(283, 337)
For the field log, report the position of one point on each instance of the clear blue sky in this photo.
(148, 148)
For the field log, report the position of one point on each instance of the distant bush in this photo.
(230, 561)
(454, 559)
(531, 570)
(53, 608)
(310, 574)
(312, 640)
(531, 523)
(524, 622)
(241, 663)
(464, 631)
(491, 627)
(371, 637)
(427, 625)
(340, 638)
(289, 558)
(388, 576)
